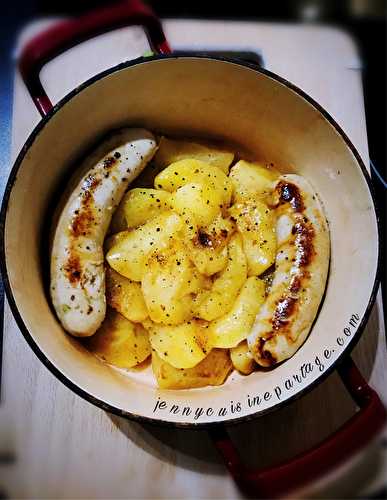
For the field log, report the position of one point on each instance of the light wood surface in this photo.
(58, 445)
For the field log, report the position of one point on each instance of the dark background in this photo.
(364, 19)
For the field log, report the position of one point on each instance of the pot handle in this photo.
(280, 480)
(66, 34)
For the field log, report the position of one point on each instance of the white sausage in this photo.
(77, 260)
(301, 269)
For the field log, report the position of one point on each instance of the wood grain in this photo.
(62, 447)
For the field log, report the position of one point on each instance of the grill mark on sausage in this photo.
(81, 225)
(84, 216)
(110, 161)
(285, 309)
(304, 243)
(73, 268)
(287, 305)
(89, 185)
(289, 193)
(264, 354)
(295, 285)
(269, 357)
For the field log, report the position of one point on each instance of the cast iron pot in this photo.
(212, 98)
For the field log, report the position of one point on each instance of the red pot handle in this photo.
(67, 34)
(280, 480)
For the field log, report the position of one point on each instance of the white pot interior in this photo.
(211, 99)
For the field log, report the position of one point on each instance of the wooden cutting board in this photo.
(60, 446)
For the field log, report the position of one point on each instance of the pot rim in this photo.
(77, 389)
